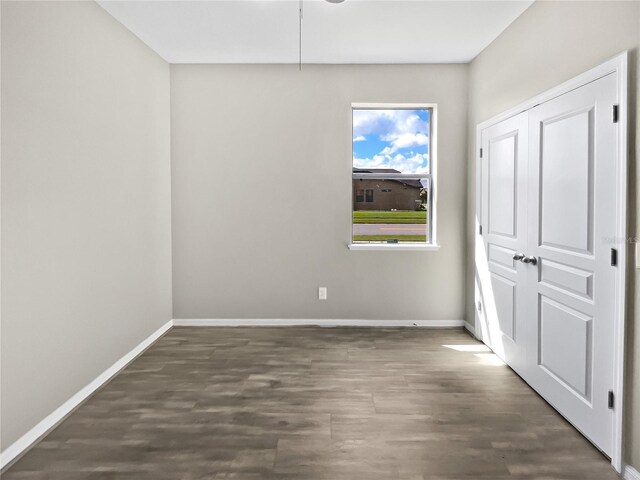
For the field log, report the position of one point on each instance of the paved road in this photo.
(389, 229)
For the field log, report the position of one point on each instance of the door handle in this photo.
(518, 256)
(531, 259)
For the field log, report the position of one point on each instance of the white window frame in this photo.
(431, 244)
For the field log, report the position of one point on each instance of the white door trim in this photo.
(617, 65)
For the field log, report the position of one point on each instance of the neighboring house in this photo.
(385, 194)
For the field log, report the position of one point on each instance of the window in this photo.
(368, 195)
(393, 171)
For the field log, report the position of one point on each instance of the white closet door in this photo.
(504, 223)
(572, 185)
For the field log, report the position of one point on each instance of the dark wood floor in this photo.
(312, 403)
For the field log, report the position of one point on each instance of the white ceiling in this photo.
(356, 31)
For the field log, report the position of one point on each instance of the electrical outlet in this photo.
(322, 293)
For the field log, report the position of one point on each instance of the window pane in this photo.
(395, 211)
(391, 140)
(368, 195)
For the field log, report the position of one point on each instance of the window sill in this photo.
(383, 247)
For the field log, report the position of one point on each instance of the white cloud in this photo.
(382, 122)
(418, 163)
(387, 151)
(378, 161)
(406, 140)
(401, 128)
(359, 138)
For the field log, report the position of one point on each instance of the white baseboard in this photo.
(470, 328)
(630, 473)
(22, 445)
(283, 322)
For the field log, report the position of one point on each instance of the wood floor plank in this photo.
(306, 403)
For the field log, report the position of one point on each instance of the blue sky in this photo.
(388, 138)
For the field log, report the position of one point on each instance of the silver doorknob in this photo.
(532, 260)
(518, 256)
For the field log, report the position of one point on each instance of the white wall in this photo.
(86, 269)
(261, 180)
(550, 43)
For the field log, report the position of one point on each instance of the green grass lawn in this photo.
(383, 216)
(384, 238)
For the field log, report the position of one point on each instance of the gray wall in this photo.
(550, 43)
(86, 269)
(261, 185)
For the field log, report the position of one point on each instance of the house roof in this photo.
(408, 183)
(375, 170)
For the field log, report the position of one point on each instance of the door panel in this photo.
(565, 345)
(502, 257)
(503, 213)
(566, 166)
(504, 292)
(571, 227)
(568, 279)
(502, 162)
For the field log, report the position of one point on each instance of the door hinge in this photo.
(481, 153)
(480, 230)
(610, 400)
(616, 109)
(614, 257)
